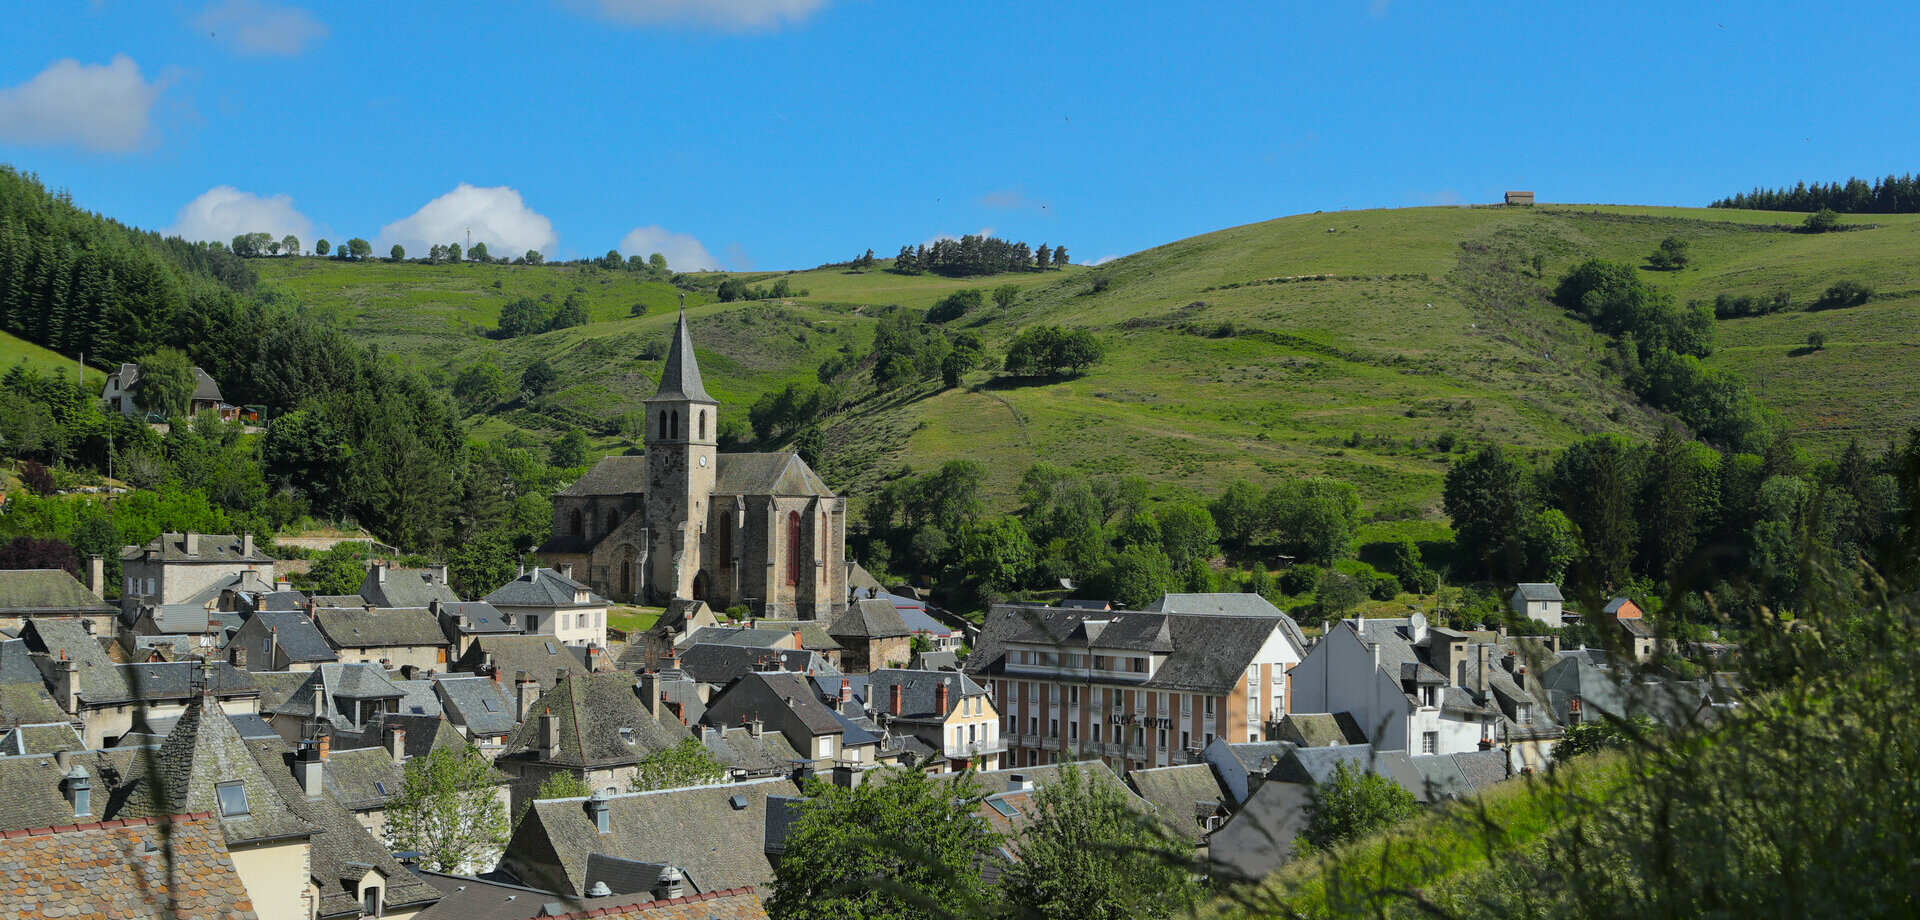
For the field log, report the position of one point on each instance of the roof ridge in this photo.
(106, 825)
(661, 902)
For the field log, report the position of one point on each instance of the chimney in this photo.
(246, 545)
(66, 683)
(797, 643)
(325, 746)
(397, 744)
(307, 767)
(438, 572)
(549, 734)
(282, 583)
(192, 543)
(893, 699)
(433, 607)
(239, 656)
(380, 573)
(566, 570)
(273, 649)
(940, 699)
(846, 690)
(1018, 783)
(97, 575)
(526, 690)
(1480, 682)
(756, 728)
(597, 809)
(672, 884)
(79, 791)
(650, 693)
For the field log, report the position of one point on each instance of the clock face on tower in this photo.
(703, 459)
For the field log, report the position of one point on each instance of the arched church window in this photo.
(663, 426)
(726, 541)
(674, 425)
(793, 547)
(576, 522)
(613, 520)
(703, 424)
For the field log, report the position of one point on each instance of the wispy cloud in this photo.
(1013, 199)
(224, 212)
(261, 26)
(683, 252)
(106, 107)
(983, 231)
(1101, 261)
(497, 216)
(728, 15)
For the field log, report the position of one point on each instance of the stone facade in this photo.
(686, 521)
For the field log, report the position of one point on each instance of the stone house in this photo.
(593, 726)
(107, 698)
(1541, 603)
(394, 638)
(274, 640)
(51, 593)
(871, 635)
(174, 568)
(124, 382)
(545, 602)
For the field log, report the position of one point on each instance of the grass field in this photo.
(1417, 322)
(15, 350)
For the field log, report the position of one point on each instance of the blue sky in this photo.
(786, 133)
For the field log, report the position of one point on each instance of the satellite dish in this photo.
(1066, 583)
(1417, 620)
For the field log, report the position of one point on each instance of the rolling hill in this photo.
(1339, 343)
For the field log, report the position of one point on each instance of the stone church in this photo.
(686, 521)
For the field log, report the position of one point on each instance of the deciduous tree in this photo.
(448, 811)
(1087, 855)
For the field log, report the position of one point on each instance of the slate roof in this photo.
(1320, 729)
(611, 476)
(489, 898)
(86, 871)
(771, 754)
(919, 690)
(484, 706)
(1452, 776)
(280, 601)
(1231, 604)
(298, 637)
(167, 680)
(337, 681)
(680, 377)
(16, 663)
(34, 796)
(813, 633)
(934, 661)
(1397, 655)
(26, 704)
(203, 751)
(418, 698)
(697, 829)
(182, 619)
(405, 588)
(475, 618)
(1183, 797)
(1205, 654)
(42, 738)
(746, 696)
(1314, 766)
(43, 592)
(766, 474)
(1258, 757)
(543, 587)
(719, 664)
(601, 724)
(742, 636)
(869, 618)
(214, 547)
(344, 850)
(1534, 591)
(541, 657)
(276, 687)
(1636, 627)
(386, 627)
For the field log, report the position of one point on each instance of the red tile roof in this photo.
(726, 904)
(121, 869)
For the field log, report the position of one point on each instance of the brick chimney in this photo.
(846, 690)
(940, 699)
(797, 643)
(893, 699)
(325, 745)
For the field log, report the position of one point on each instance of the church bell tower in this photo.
(681, 450)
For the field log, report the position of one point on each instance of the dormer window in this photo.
(1426, 696)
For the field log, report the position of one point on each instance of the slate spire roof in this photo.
(202, 753)
(680, 379)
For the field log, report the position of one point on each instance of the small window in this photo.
(1429, 742)
(233, 799)
(550, 650)
(381, 788)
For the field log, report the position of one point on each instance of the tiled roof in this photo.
(213, 547)
(919, 690)
(204, 751)
(473, 618)
(541, 657)
(1206, 654)
(87, 870)
(745, 698)
(767, 474)
(611, 476)
(698, 829)
(484, 705)
(344, 850)
(43, 738)
(1227, 604)
(297, 636)
(680, 377)
(405, 588)
(600, 723)
(40, 592)
(1182, 796)
(543, 587)
(385, 627)
(1534, 591)
(726, 904)
(869, 618)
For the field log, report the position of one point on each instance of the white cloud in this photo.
(1013, 199)
(96, 106)
(683, 252)
(497, 216)
(731, 15)
(1100, 261)
(261, 26)
(225, 212)
(984, 231)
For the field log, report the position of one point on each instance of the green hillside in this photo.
(15, 350)
(1225, 358)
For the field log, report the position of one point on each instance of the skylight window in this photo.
(550, 648)
(381, 787)
(1005, 810)
(233, 799)
(491, 704)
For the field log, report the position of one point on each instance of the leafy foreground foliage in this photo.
(1803, 802)
(1088, 856)
(688, 763)
(1357, 803)
(448, 812)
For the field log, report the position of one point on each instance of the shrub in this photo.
(1821, 221)
(36, 478)
(1847, 293)
(1817, 340)
(1299, 579)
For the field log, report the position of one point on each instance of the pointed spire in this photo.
(681, 377)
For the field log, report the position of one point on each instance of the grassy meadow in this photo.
(1339, 343)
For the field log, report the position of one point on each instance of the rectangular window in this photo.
(1033, 725)
(1073, 729)
(1096, 733)
(1429, 742)
(233, 799)
(1073, 695)
(1053, 728)
(1161, 737)
(1209, 705)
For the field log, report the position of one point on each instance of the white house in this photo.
(550, 603)
(1370, 670)
(1540, 603)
